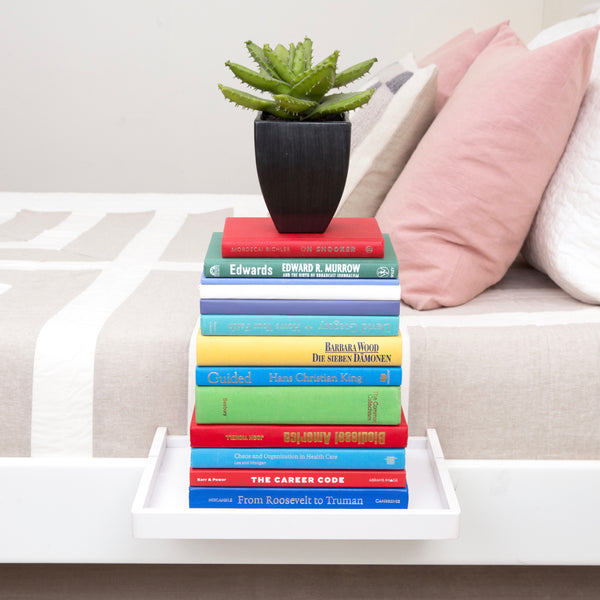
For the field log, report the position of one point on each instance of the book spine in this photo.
(240, 247)
(384, 289)
(380, 459)
(246, 376)
(365, 325)
(296, 478)
(328, 405)
(288, 436)
(252, 497)
(293, 351)
(300, 268)
(220, 306)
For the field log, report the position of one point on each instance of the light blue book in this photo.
(298, 325)
(298, 458)
(256, 497)
(249, 376)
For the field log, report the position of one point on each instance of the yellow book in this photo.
(323, 351)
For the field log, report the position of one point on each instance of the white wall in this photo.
(121, 95)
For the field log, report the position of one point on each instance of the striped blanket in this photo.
(98, 306)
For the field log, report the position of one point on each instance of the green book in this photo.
(307, 268)
(342, 405)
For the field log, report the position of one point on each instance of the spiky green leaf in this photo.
(340, 103)
(298, 64)
(244, 98)
(247, 100)
(294, 105)
(354, 72)
(291, 55)
(307, 48)
(261, 81)
(318, 80)
(257, 54)
(280, 66)
(282, 53)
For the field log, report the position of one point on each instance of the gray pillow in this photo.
(385, 132)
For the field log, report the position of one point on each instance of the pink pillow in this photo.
(455, 57)
(459, 212)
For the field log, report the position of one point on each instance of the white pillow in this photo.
(564, 240)
(385, 134)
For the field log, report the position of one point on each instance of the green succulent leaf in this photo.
(291, 55)
(298, 63)
(307, 48)
(279, 62)
(354, 72)
(318, 80)
(294, 105)
(261, 81)
(330, 60)
(282, 53)
(257, 54)
(246, 100)
(339, 103)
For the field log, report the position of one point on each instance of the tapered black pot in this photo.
(302, 168)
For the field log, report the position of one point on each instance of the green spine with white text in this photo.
(343, 405)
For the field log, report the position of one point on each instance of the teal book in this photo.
(321, 404)
(364, 325)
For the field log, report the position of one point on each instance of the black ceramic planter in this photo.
(302, 168)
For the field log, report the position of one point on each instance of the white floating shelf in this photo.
(160, 509)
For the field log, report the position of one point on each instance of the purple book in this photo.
(239, 306)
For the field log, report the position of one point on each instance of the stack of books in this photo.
(298, 374)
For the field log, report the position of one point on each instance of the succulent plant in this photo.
(299, 89)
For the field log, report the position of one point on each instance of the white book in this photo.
(300, 289)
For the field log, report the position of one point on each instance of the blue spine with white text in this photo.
(274, 307)
(260, 497)
(298, 458)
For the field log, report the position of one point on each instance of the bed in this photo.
(100, 305)
(99, 309)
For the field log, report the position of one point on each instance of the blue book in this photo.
(365, 325)
(298, 458)
(246, 376)
(241, 306)
(257, 497)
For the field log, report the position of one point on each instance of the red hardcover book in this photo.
(286, 436)
(346, 237)
(296, 478)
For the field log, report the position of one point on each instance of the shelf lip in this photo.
(172, 520)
